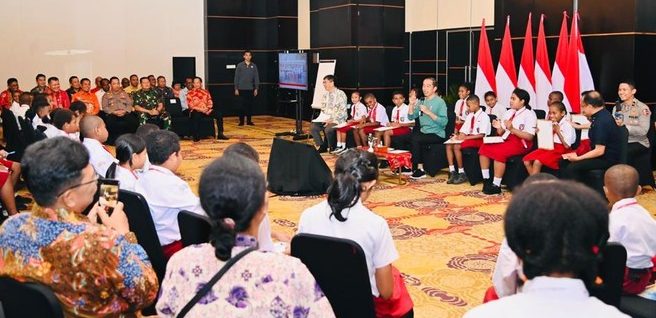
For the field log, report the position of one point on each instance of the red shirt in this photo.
(59, 99)
(199, 100)
(6, 98)
(95, 89)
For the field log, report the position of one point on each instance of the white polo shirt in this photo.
(523, 119)
(481, 124)
(497, 110)
(363, 226)
(127, 179)
(378, 114)
(461, 109)
(568, 132)
(633, 227)
(506, 271)
(400, 114)
(99, 157)
(358, 111)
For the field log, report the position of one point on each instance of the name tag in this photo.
(173, 101)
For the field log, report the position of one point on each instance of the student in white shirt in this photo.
(474, 128)
(165, 192)
(343, 215)
(131, 155)
(19, 109)
(94, 134)
(564, 136)
(460, 108)
(376, 117)
(493, 107)
(632, 226)
(64, 123)
(402, 126)
(41, 110)
(143, 131)
(358, 114)
(558, 256)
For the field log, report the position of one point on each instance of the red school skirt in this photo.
(457, 128)
(549, 158)
(4, 175)
(636, 281)
(370, 129)
(513, 146)
(400, 131)
(347, 127)
(472, 143)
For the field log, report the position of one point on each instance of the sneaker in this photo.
(452, 176)
(492, 189)
(460, 178)
(338, 150)
(406, 171)
(418, 174)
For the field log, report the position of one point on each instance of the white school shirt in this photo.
(497, 110)
(99, 158)
(99, 94)
(400, 114)
(524, 120)
(183, 98)
(19, 111)
(167, 195)
(363, 226)
(36, 121)
(633, 227)
(461, 109)
(506, 271)
(52, 131)
(358, 111)
(567, 131)
(547, 297)
(381, 115)
(481, 124)
(126, 178)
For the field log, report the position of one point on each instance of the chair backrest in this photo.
(174, 108)
(194, 228)
(27, 130)
(340, 268)
(141, 223)
(11, 132)
(611, 271)
(19, 300)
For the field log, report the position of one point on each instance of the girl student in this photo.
(358, 114)
(564, 137)
(131, 155)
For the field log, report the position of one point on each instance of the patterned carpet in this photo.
(448, 235)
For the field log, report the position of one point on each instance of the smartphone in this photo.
(108, 197)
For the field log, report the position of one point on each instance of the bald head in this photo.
(88, 126)
(622, 181)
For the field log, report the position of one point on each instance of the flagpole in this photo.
(575, 5)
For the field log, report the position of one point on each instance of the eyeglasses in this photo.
(97, 177)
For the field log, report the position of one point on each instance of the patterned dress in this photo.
(93, 270)
(259, 285)
(149, 99)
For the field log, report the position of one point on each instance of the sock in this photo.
(486, 173)
(452, 168)
(461, 170)
(420, 166)
(496, 181)
(341, 145)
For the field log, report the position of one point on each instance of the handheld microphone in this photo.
(421, 100)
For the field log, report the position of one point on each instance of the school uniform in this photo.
(376, 114)
(523, 119)
(4, 175)
(506, 271)
(99, 157)
(633, 227)
(357, 111)
(545, 296)
(52, 131)
(461, 110)
(400, 115)
(475, 124)
(497, 110)
(551, 158)
(126, 177)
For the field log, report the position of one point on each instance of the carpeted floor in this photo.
(447, 235)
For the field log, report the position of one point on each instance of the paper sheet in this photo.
(493, 140)
(545, 134)
(384, 128)
(453, 141)
(322, 118)
(397, 151)
(580, 119)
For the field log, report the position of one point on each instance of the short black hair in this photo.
(398, 93)
(127, 145)
(145, 129)
(12, 80)
(134, 75)
(243, 149)
(329, 77)
(78, 106)
(160, 145)
(114, 78)
(629, 82)
(151, 75)
(554, 227)
(523, 95)
(473, 98)
(52, 165)
(467, 85)
(247, 51)
(539, 177)
(61, 116)
(198, 78)
(490, 93)
(561, 107)
(39, 76)
(161, 76)
(594, 99)
(53, 78)
(25, 98)
(143, 78)
(559, 93)
(40, 101)
(84, 79)
(70, 79)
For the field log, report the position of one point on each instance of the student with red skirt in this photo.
(358, 115)
(475, 127)
(376, 117)
(402, 126)
(564, 137)
(518, 131)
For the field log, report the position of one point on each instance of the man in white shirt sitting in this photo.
(165, 192)
(19, 109)
(94, 134)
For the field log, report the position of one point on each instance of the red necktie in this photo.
(373, 113)
(398, 114)
(471, 128)
(462, 106)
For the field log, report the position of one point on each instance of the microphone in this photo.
(422, 102)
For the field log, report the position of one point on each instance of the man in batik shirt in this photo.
(148, 105)
(58, 97)
(6, 97)
(89, 99)
(200, 105)
(333, 107)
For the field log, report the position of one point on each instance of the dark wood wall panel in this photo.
(331, 27)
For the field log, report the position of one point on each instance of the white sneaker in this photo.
(338, 150)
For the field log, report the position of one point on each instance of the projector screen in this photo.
(293, 71)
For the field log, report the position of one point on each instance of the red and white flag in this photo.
(485, 80)
(506, 76)
(542, 71)
(558, 74)
(526, 77)
(577, 75)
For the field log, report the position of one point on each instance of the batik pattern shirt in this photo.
(200, 100)
(59, 99)
(261, 284)
(6, 98)
(333, 104)
(93, 270)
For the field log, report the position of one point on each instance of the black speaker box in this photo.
(297, 169)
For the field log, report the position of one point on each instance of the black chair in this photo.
(434, 155)
(12, 134)
(32, 300)
(470, 161)
(181, 122)
(348, 291)
(194, 228)
(638, 307)
(611, 271)
(540, 114)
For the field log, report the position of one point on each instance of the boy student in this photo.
(564, 136)
(475, 127)
(493, 107)
(65, 124)
(630, 225)
(376, 117)
(94, 134)
(357, 114)
(402, 126)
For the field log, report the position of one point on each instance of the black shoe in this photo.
(241, 123)
(250, 123)
(196, 139)
(322, 149)
(492, 189)
(21, 199)
(460, 178)
(452, 176)
(406, 171)
(222, 137)
(486, 185)
(418, 174)
(383, 165)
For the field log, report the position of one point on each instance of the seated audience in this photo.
(376, 117)
(162, 90)
(6, 97)
(188, 85)
(177, 87)
(100, 92)
(24, 104)
(333, 105)
(233, 192)
(131, 155)
(474, 128)
(41, 86)
(152, 80)
(58, 97)
(635, 116)
(117, 105)
(134, 84)
(399, 121)
(41, 110)
(149, 107)
(99, 86)
(432, 115)
(89, 99)
(142, 132)
(493, 107)
(564, 136)
(556, 229)
(460, 108)
(517, 127)
(604, 141)
(79, 109)
(200, 106)
(65, 124)
(357, 116)
(93, 269)
(74, 83)
(165, 192)
(632, 226)
(94, 134)
(343, 215)
(125, 82)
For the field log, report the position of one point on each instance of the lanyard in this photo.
(516, 113)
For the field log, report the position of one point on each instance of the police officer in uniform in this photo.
(635, 115)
